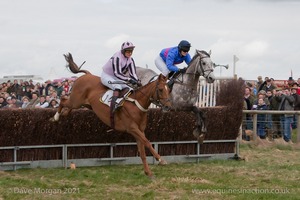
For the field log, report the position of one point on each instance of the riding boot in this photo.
(113, 104)
(172, 77)
(113, 107)
(171, 83)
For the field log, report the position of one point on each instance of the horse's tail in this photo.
(73, 66)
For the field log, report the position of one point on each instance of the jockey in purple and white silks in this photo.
(169, 57)
(115, 70)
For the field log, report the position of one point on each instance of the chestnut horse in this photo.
(130, 118)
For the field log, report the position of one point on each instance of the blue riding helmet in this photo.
(184, 45)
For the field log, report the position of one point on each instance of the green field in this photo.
(266, 172)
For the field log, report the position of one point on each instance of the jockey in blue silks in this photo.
(169, 57)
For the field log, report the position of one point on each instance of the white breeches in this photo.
(161, 65)
(106, 78)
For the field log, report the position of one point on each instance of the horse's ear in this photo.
(209, 52)
(198, 51)
(162, 77)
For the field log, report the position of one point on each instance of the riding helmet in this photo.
(127, 46)
(184, 45)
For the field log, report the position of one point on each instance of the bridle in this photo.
(158, 101)
(199, 64)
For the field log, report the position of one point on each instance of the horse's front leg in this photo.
(143, 142)
(200, 130)
(142, 153)
(147, 144)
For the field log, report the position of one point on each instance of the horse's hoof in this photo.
(201, 138)
(162, 162)
(152, 177)
(52, 119)
(196, 132)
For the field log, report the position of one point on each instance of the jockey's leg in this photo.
(171, 74)
(171, 83)
(161, 66)
(113, 100)
(113, 105)
(172, 77)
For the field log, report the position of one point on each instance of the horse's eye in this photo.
(203, 63)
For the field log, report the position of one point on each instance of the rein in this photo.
(156, 101)
(196, 71)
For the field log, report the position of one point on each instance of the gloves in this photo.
(133, 81)
(182, 71)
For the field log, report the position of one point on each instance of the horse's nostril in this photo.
(166, 108)
(211, 79)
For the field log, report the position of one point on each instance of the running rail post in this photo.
(254, 126)
(298, 128)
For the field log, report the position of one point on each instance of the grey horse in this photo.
(184, 91)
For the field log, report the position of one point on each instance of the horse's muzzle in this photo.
(165, 108)
(210, 78)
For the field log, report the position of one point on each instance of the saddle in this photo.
(107, 96)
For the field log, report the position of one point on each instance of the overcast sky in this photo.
(263, 34)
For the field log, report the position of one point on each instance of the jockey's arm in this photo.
(117, 67)
(170, 62)
(188, 59)
(132, 70)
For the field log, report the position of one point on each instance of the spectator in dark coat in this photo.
(261, 118)
(268, 85)
(296, 105)
(274, 105)
(286, 103)
(3, 102)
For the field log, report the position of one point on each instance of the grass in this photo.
(265, 173)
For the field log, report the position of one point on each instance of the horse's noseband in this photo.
(158, 101)
(202, 69)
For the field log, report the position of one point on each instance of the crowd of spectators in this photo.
(266, 95)
(21, 94)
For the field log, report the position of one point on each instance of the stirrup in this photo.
(116, 106)
(113, 107)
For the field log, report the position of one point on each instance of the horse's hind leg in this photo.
(200, 130)
(63, 104)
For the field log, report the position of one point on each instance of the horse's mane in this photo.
(204, 52)
(149, 82)
(152, 80)
(197, 54)
(72, 66)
